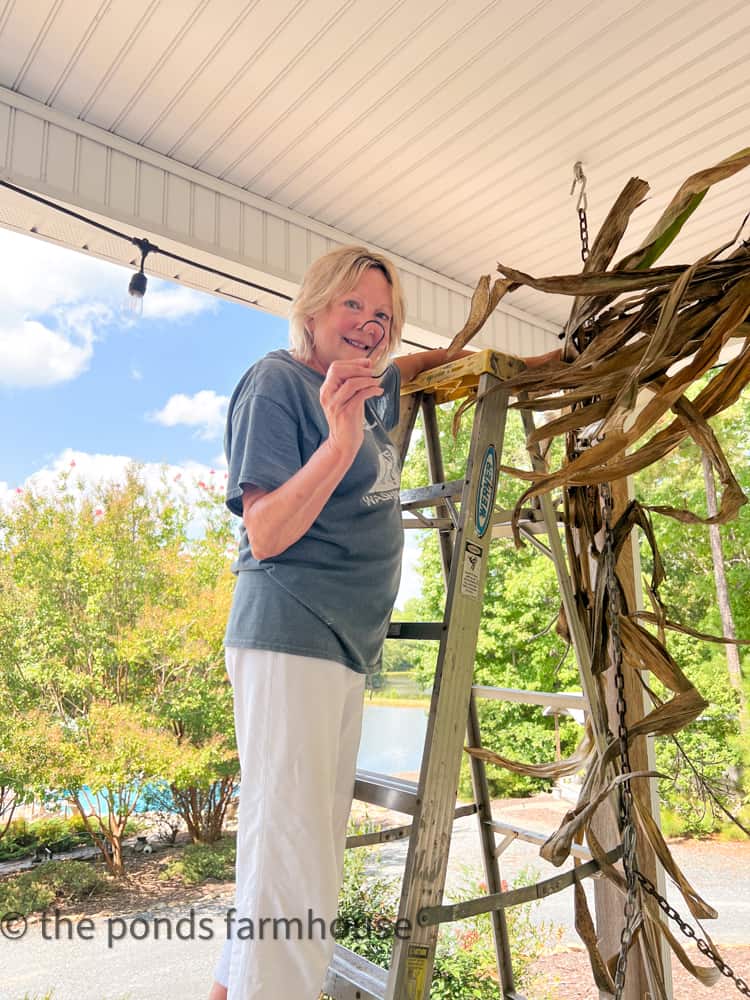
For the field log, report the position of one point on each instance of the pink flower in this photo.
(72, 463)
(201, 483)
(98, 512)
(178, 476)
(212, 472)
(18, 489)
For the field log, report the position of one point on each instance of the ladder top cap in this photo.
(460, 378)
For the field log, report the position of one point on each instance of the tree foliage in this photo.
(113, 602)
(518, 645)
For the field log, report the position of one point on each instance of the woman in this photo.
(314, 476)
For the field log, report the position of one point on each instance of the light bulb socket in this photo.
(137, 286)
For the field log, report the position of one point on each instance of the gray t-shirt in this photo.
(331, 593)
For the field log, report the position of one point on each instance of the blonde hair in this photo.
(333, 274)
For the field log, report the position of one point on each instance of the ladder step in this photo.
(351, 977)
(390, 834)
(394, 793)
(428, 496)
(511, 832)
(416, 630)
(384, 790)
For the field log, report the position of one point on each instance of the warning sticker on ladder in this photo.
(416, 971)
(471, 570)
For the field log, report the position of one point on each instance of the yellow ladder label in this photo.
(416, 971)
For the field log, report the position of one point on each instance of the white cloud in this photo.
(31, 354)
(205, 410)
(175, 302)
(136, 374)
(56, 303)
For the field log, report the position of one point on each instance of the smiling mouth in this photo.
(356, 343)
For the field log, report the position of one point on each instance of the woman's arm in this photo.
(541, 359)
(278, 518)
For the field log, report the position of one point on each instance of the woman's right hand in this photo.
(346, 387)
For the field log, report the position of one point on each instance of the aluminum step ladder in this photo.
(465, 537)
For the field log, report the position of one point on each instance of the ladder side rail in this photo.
(490, 858)
(480, 786)
(401, 434)
(427, 856)
(437, 475)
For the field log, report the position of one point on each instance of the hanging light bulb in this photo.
(139, 281)
(136, 291)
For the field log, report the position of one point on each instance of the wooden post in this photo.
(608, 901)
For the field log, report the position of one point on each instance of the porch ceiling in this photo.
(443, 131)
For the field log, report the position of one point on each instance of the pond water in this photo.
(392, 743)
(392, 738)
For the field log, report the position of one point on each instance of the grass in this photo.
(394, 700)
(730, 831)
(716, 827)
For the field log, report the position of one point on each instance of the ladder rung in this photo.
(415, 630)
(442, 523)
(558, 700)
(515, 897)
(395, 793)
(428, 496)
(512, 832)
(384, 790)
(390, 834)
(351, 977)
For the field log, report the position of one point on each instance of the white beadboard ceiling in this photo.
(443, 131)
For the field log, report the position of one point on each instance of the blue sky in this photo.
(100, 382)
(83, 383)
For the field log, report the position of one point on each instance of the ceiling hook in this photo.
(579, 178)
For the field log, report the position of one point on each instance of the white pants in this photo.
(298, 721)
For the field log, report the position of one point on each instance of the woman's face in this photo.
(354, 323)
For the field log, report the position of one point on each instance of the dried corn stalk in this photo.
(637, 338)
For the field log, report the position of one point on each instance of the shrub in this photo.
(35, 890)
(465, 955)
(202, 861)
(23, 839)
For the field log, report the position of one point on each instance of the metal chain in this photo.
(584, 227)
(580, 178)
(626, 796)
(703, 947)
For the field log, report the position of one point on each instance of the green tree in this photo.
(175, 646)
(119, 596)
(101, 763)
(713, 744)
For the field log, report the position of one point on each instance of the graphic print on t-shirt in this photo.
(388, 480)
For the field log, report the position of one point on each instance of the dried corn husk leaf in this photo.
(554, 770)
(483, 303)
(649, 333)
(681, 207)
(686, 630)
